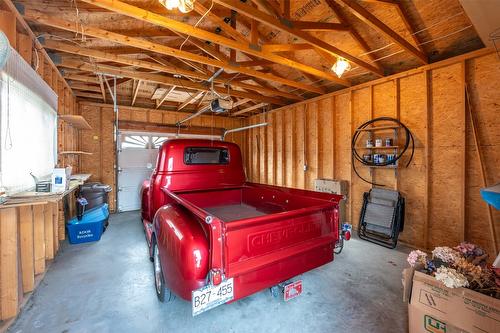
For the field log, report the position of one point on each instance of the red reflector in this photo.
(293, 290)
(216, 278)
(347, 235)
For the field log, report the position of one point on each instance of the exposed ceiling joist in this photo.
(228, 29)
(135, 90)
(285, 8)
(101, 85)
(160, 49)
(79, 93)
(162, 79)
(319, 26)
(364, 15)
(190, 99)
(270, 7)
(241, 102)
(81, 78)
(74, 49)
(164, 98)
(254, 63)
(160, 20)
(254, 32)
(85, 87)
(250, 108)
(286, 47)
(305, 36)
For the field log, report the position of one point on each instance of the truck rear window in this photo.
(206, 155)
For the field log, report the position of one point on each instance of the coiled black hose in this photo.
(356, 157)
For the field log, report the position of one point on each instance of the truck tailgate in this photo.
(272, 249)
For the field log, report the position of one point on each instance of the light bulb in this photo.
(184, 6)
(341, 66)
(172, 4)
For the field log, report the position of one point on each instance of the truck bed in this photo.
(252, 201)
(233, 212)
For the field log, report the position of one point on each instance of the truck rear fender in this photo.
(183, 248)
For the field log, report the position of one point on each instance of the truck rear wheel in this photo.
(163, 293)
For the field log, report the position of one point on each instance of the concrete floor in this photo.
(108, 287)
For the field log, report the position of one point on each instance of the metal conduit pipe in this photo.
(239, 129)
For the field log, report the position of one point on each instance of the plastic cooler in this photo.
(90, 227)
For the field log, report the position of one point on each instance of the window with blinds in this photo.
(28, 125)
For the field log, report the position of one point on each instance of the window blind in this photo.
(28, 125)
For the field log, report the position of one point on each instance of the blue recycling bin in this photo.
(90, 227)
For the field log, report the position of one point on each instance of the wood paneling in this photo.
(9, 297)
(441, 185)
(28, 241)
(27, 248)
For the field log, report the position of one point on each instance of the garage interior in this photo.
(302, 78)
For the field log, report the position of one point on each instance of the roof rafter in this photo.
(402, 13)
(305, 36)
(364, 15)
(73, 49)
(248, 109)
(319, 26)
(353, 32)
(160, 49)
(162, 79)
(160, 20)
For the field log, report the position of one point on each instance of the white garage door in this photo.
(136, 160)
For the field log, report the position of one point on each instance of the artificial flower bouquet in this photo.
(462, 266)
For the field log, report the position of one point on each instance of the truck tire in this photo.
(163, 293)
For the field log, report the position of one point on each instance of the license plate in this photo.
(209, 297)
(293, 290)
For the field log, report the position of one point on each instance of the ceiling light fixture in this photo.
(341, 66)
(184, 6)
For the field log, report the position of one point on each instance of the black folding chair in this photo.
(382, 217)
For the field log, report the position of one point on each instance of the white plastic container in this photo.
(59, 180)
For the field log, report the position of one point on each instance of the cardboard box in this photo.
(335, 187)
(434, 308)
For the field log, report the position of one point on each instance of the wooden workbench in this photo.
(31, 227)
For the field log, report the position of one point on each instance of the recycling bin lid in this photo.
(95, 187)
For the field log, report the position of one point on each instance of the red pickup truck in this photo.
(215, 238)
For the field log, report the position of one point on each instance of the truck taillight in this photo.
(216, 277)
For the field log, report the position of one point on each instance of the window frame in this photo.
(185, 154)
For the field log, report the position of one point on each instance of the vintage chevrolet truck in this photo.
(215, 238)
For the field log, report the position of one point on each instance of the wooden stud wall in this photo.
(442, 183)
(100, 141)
(28, 239)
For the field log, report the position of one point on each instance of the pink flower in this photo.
(416, 257)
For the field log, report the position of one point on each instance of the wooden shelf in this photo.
(74, 152)
(383, 166)
(75, 121)
(378, 128)
(383, 147)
